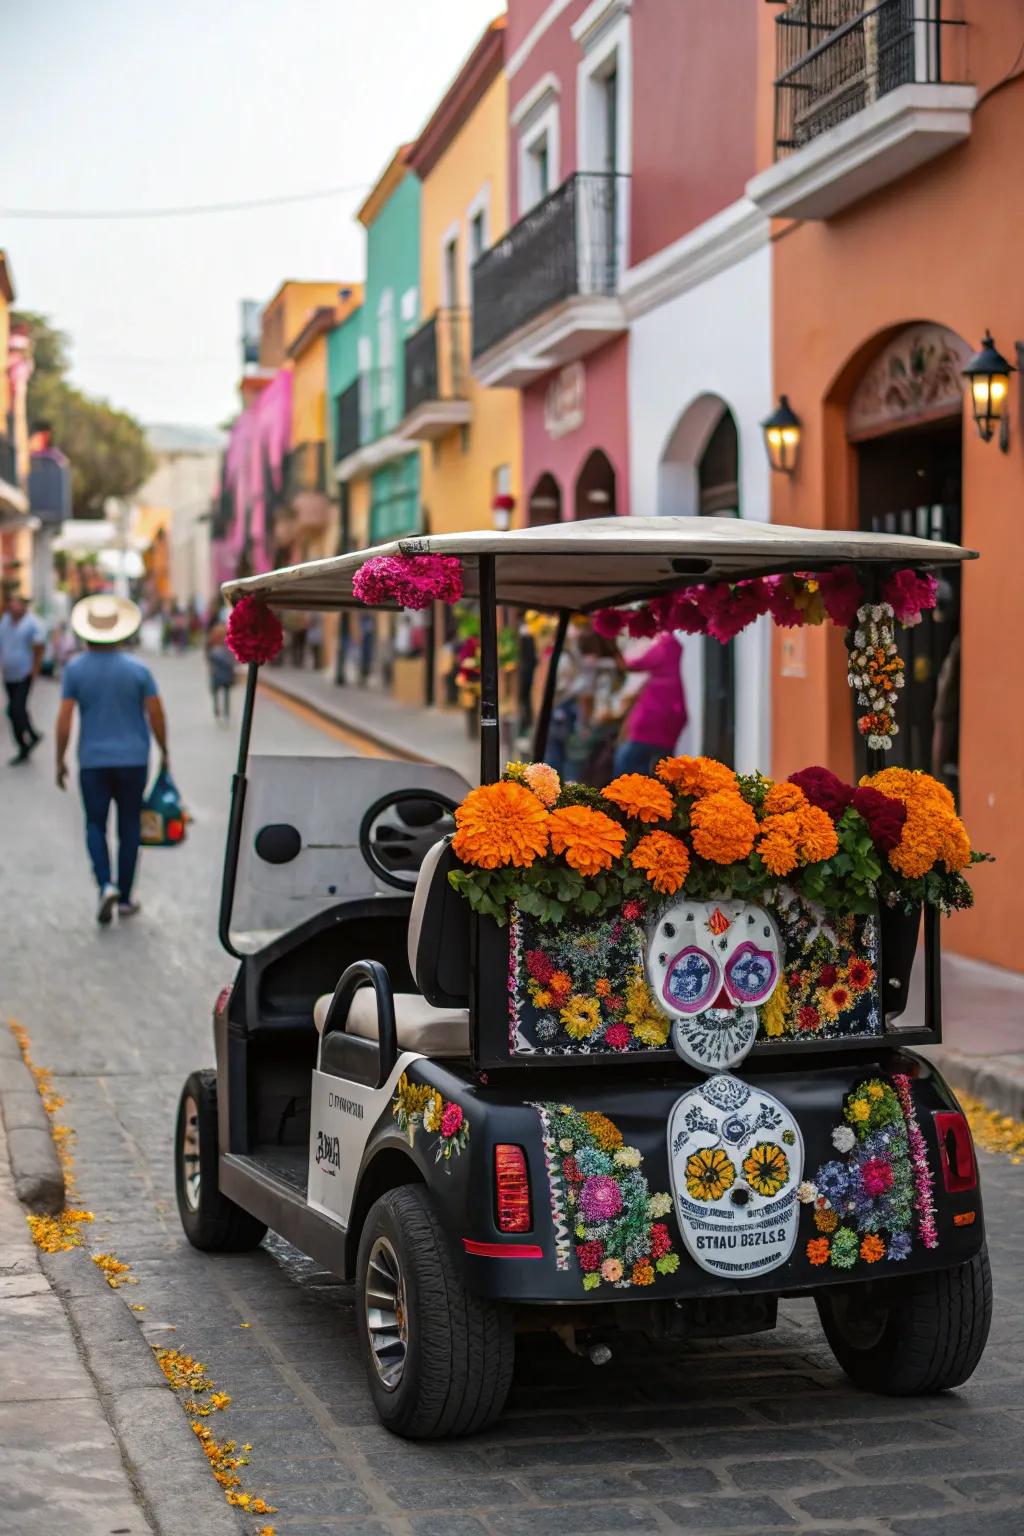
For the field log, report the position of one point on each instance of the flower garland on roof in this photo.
(556, 850)
(410, 581)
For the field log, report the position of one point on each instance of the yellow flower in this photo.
(581, 1016)
(875, 1091)
(776, 1010)
(766, 1168)
(542, 998)
(709, 1173)
(432, 1113)
(604, 1131)
(860, 1109)
(651, 1030)
(642, 1013)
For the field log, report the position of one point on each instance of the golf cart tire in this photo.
(932, 1339)
(460, 1350)
(216, 1224)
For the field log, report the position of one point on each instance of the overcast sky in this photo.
(141, 103)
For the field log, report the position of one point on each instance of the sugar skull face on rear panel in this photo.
(736, 1156)
(711, 964)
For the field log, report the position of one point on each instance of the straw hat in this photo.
(105, 620)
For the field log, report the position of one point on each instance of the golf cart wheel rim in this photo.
(387, 1316)
(862, 1319)
(189, 1152)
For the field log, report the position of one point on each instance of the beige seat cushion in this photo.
(421, 1028)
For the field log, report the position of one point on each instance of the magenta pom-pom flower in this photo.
(600, 1198)
(411, 581)
(909, 595)
(254, 633)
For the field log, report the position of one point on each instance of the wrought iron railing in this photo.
(835, 57)
(346, 422)
(306, 469)
(436, 359)
(8, 461)
(569, 244)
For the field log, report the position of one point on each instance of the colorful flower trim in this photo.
(876, 672)
(417, 1105)
(924, 1182)
(254, 633)
(600, 1197)
(410, 581)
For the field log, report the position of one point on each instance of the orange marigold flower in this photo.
(590, 840)
(817, 1250)
(643, 1272)
(956, 845)
(664, 859)
(641, 796)
(826, 1219)
(872, 1248)
(696, 775)
(818, 838)
(604, 1131)
(785, 797)
(777, 844)
(602, 987)
(723, 827)
(501, 824)
(544, 782)
(560, 982)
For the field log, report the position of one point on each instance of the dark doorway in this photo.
(545, 505)
(718, 485)
(595, 487)
(910, 482)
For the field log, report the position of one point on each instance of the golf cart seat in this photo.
(435, 1020)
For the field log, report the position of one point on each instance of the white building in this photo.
(183, 487)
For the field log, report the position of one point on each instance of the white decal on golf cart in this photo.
(711, 965)
(734, 1192)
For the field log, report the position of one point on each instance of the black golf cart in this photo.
(659, 1112)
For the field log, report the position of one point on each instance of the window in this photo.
(450, 273)
(477, 235)
(538, 157)
(386, 412)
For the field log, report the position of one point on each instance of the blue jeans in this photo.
(637, 757)
(126, 787)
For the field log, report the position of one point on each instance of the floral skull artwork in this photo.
(736, 1156)
(711, 964)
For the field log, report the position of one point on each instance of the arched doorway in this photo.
(595, 487)
(545, 504)
(699, 477)
(905, 423)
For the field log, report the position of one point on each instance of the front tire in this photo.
(921, 1335)
(211, 1221)
(438, 1358)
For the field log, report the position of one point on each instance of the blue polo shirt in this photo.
(110, 688)
(18, 640)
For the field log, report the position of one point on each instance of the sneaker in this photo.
(21, 756)
(128, 908)
(108, 901)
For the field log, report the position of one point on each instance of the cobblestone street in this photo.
(753, 1435)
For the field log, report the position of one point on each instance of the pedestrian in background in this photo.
(118, 703)
(656, 720)
(221, 667)
(22, 642)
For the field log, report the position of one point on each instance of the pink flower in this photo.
(641, 624)
(686, 612)
(600, 1198)
(411, 581)
(876, 1176)
(254, 632)
(782, 601)
(909, 595)
(617, 1036)
(608, 622)
(632, 909)
(730, 609)
(842, 594)
(451, 1120)
(611, 1270)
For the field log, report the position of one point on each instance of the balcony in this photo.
(864, 94)
(365, 425)
(13, 500)
(547, 293)
(305, 488)
(436, 367)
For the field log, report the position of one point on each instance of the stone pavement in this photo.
(761, 1434)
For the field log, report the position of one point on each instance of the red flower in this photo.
(590, 1256)
(571, 1169)
(633, 909)
(842, 594)
(615, 1004)
(254, 633)
(660, 1240)
(876, 1176)
(641, 624)
(539, 966)
(827, 975)
(824, 789)
(617, 1036)
(451, 1120)
(608, 622)
(859, 974)
(884, 815)
(808, 1017)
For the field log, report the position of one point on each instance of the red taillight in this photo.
(956, 1151)
(512, 1188)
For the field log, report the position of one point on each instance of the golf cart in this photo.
(539, 1056)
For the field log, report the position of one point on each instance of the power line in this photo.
(184, 211)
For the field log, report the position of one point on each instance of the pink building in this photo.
(254, 467)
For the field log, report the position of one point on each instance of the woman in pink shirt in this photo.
(659, 712)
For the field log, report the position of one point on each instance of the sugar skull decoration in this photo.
(736, 1156)
(711, 964)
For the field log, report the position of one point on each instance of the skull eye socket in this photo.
(752, 973)
(693, 978)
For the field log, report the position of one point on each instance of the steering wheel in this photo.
(400, 828)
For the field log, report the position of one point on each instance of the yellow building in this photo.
(472, 433)
(286, 313)
(15, 369)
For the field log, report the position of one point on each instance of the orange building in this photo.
(887, 135)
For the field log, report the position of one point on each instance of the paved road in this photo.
(757, 1435)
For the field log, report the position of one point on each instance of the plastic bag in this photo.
(164, 819)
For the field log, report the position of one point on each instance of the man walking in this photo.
(21, 656)
(118, 704)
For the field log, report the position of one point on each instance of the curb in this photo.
(347, 722)
(164, 1459)
(37, 1171)
(997, 1080)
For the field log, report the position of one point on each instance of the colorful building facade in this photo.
(888, 269)
(15, 371)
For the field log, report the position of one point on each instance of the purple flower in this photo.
(600, 1198)
(833, 1181)
(899, 1246)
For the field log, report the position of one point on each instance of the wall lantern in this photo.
(989, 375)
(782, 437)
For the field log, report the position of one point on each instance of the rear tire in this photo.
(211, 1221)
(438, 1358)
(924, 1334)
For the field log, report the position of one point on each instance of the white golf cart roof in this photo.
(567, 565)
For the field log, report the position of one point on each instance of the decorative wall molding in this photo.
(720, 242)
(599, 15)
(516, 60)
(537, 99)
